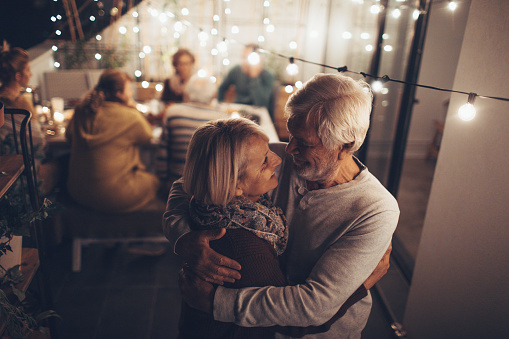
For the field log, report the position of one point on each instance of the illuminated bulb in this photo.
(202, 73)
(270, 28)
(235, 115)
(135, 14)
(147, 49)
(387, 48)
(53, 19)
(227, 11)
(176, 35)
(163, 18)
(141, 55)
(58, 117)
(235, 29)
(226, 62)
(214, 51)
(261, 38)
(185, 11)
(467, 112)
(170, 14)
(213, 31)
(45, 109)
(153, 12)
(136, 29)
(144, 84)
(29, 90)
(92, 18)
(213, 79)
(384, 90)
(385, 36)
(98, 37)
(416, 14)
(364, 36)
(114, 11)
(58, 32)
(159, 87)
(396, 13)
(222, 47)
(178, 26)
(98, 56)
(375, 9)
(385, 103)
(59, 17)
(266, 3)
(452, 5)
(368, 48)
(203, 36)
(215, 17)
(288, 88)
(54, 48)
(266, 21)
(293, 45)
(253, 58)
(346, 35)
(377, 86)
(137, 73)
(122, 30)
(292, 69)
(299, 84)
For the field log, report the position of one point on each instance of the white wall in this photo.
(441, 50)
(459, 287)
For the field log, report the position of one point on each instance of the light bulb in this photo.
(377, 86)
(253, 58)
(452, 5)
(144, 84)
(467, 112)
(292, 69)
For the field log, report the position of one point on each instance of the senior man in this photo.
(341, 221)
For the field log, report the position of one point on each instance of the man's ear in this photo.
(344, 149)
(18, 76)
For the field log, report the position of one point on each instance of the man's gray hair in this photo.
(200, 90)
(336, 105)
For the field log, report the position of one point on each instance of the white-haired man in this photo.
(341, 222)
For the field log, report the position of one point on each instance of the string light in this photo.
(292, 68)
(467, 111)
(253, 58)
(452, 5)
(144, 84)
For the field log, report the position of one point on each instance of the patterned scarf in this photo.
(262, 218)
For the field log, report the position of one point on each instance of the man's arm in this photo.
(193, 246)
(336, 275)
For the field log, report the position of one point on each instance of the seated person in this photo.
(105, 133)
(180, 121)
(228, 172)
(253, 84)
(15, 76)
(183, 63)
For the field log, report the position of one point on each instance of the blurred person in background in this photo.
(253, 84)
(105, 133)
(183, 63)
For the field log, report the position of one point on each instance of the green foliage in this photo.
(81, 55)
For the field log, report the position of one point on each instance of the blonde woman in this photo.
(106, 131)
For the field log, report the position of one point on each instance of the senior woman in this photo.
(105, 169)
(229, 169)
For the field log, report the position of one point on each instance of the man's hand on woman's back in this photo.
(207, 264)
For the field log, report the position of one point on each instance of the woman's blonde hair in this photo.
(110, 83)
(216, 159)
